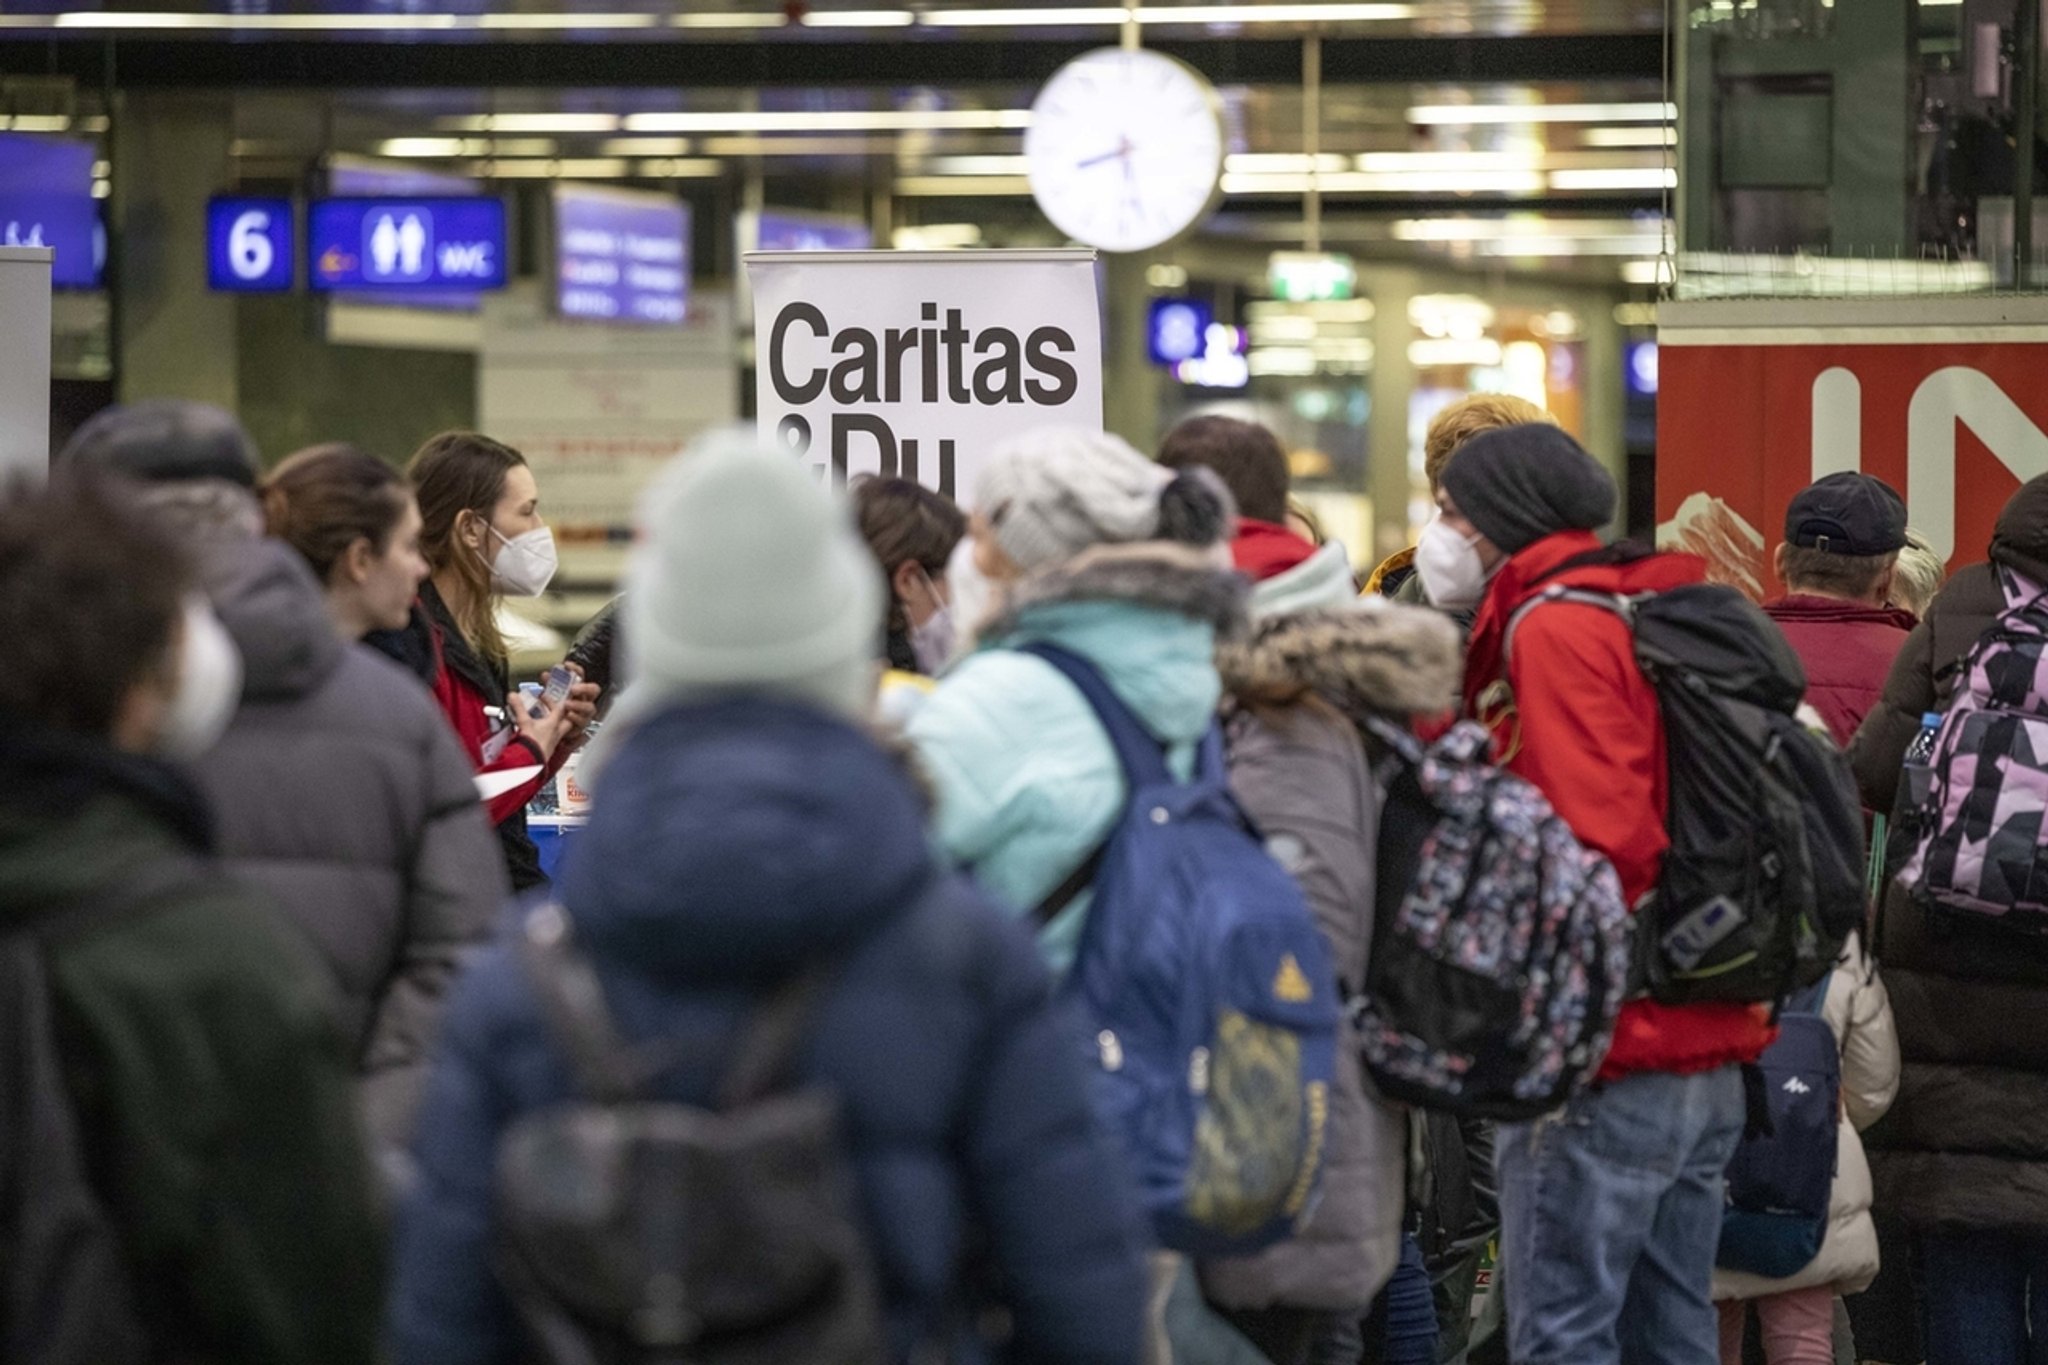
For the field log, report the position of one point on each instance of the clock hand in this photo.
(1123, 152)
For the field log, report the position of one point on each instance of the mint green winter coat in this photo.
(1027, 784)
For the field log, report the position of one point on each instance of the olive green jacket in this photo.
(201, 1045)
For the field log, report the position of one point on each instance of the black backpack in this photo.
(635, 1229)
(66, 1291)
(1765, 876)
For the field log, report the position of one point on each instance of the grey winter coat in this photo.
(340, 790)
(1964, 1147)
(1298, 685)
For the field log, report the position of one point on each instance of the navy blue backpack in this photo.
(1780, 1181)
(1212, 998)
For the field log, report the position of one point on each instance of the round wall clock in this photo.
(1125, 148)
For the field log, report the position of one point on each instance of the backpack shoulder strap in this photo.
(769, 1042)
(1619, 604)
(572, 1000)
(1142, 757)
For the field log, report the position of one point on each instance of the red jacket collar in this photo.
(1535, 567)
(1811, 607)
(1265, 549)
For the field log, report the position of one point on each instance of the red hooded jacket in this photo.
(1586, 729)
(1265, 549)
(1847, 648)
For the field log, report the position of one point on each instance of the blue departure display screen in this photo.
(46, 200)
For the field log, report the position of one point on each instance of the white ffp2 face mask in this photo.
(1452, 574)
(972, 595)
(526, 563)
(208, 686)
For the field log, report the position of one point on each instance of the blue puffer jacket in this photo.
(1027, 782)
(731, 841)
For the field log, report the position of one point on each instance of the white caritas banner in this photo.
(915, 363)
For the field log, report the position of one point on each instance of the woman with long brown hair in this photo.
(484, 538)
(399, 877)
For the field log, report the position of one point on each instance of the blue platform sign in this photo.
(250, 246)
(46, 200)
(621, 255)
(393, 246)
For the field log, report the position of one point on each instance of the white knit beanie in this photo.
(749, 577)
(1055, 491)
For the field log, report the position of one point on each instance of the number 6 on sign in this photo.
(249, 245)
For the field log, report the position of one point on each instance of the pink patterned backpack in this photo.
(1980, 850)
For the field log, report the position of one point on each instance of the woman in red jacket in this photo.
(484, 538)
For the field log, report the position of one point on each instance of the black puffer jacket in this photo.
(1965, 1147)
(341, 791)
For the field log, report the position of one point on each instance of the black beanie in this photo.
(1518, 484)
(164, 440)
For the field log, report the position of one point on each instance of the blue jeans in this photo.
(1610, 1214)
(1979, 1287)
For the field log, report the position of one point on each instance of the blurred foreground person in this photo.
(756, 913)
(190, 1185)
(485, 539)
(336, 787)
(1081, 543)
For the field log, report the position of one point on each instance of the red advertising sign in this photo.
(1944, 399)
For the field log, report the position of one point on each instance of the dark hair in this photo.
(1245, 455)
(1811, 570)
(904, 522)
(325, 498)
(1196, 508)
(457, 472)
(91, 592)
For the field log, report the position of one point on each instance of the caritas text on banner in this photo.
(916, 363)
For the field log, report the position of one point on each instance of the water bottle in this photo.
(1920, 761)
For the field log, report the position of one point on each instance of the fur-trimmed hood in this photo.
(1196, 583)
(1367, 657)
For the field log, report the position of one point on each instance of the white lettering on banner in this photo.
(1946, 397)
(917, 363)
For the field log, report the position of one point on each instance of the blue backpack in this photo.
(1780, 1179)
(1211, 995)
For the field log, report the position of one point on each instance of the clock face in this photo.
(1125, 149)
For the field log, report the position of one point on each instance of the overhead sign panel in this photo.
(621, 255)
(250, 246)
(918, 363)
(395, 246)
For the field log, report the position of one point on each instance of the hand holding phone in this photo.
(555, 691)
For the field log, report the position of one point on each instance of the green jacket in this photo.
(210, 1079)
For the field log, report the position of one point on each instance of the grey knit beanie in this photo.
(749, 578)
(1056, 491)
(1518, 484)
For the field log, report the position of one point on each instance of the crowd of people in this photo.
(821, 1045)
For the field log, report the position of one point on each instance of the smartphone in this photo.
(559, 681)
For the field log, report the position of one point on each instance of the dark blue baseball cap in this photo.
(1847, 514)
